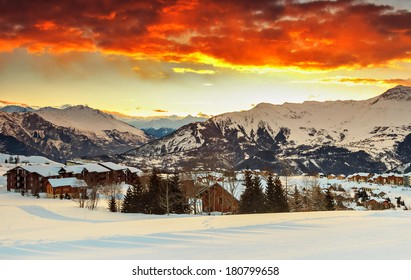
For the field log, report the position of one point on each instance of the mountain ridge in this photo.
(60, 134)
(361, 134)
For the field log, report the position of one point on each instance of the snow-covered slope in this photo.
(306, 133)
(61, 134)
(34, 229)
(88, 121)
(25, 159)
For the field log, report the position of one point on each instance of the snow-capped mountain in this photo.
(334, 136)
(65, 133)
(158, 127)
(90, 121)
(16, 109)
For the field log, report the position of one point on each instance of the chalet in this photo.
(93, 174)
(217, 199)
(341, 177)
(117, 173)
(331, 176)
(388, 179)
(72, 187)
(359, 177)
(377, 204)
(32, 179)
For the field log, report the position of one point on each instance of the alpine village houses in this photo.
(66, 180)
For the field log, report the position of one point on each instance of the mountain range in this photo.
(159, 127)
(332, 137)
(61, 134)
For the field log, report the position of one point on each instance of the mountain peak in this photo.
(398, 93)
(16, 109)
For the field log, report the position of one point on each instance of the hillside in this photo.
(53, 227)
(60, 134)
(333, 136)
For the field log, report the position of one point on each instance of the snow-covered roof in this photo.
(45, 171)
(72, 182)
(134, 170)
(90, 167)
(113, 166)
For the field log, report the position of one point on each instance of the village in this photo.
(204, 191)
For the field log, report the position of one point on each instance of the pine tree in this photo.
(276, 200)
(317, 199)
(112, 205)
(329, 201)
(297, 203)
(138, 201)
(245, 205)
(253, 199)
(154, 194)
(258, 196)
(178, 205)
(127, 206)
(270, 194)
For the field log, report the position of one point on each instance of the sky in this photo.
(180, 57)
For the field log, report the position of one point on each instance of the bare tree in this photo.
(113, 191)
(81, 196)
(165, 196)
(233, 185)
(93, 197)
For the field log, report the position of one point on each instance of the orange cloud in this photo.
(14, 103)
(307, 35)
(118, 114)
(404, 82)
(160, 111)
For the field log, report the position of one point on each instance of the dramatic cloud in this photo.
(189, 70)
(4, 102)
(266, 33)
(404, 82)
(115, 113)
(202, 115)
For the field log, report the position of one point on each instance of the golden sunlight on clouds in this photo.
(217, 55)
(189, 70)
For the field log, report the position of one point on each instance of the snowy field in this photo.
(56, 229)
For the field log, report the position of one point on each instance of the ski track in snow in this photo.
(46, 214)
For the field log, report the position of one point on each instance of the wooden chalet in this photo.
(93, 174)
(71, 187)
(360, 177)
(217, 199)
(34, 178)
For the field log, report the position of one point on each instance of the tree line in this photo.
(274, 199)
(165, 196)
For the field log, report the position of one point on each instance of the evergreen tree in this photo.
(258, 196)
(245, 205)
(276, 199)
(329, 201)
(253, 199)
(138, 197)
(317, 199)
(297, 203)
(127, 206)
(154, 194)
(178, 204)
(270, 194)
(112, 205)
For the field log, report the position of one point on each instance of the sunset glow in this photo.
(186, 57)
